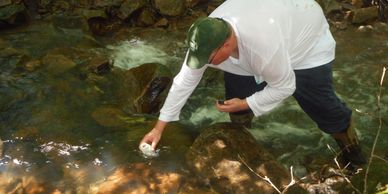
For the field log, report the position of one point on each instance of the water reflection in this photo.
(61, 148)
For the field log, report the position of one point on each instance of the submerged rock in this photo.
(57, 64)
(228, 158)
(113, 117)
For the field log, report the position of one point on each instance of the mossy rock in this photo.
(228, 157)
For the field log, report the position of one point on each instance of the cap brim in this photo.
(196, 60)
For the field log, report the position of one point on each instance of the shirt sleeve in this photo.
(280, 78)
(183, 86)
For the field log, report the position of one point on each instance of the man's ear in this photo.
(227, 43)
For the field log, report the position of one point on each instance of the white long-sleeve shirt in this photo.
(274, 37)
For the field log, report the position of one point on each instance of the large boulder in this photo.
(144, 88)
(228, 157)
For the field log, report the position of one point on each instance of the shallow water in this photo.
(48, 132)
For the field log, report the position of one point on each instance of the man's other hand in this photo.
(233, 105)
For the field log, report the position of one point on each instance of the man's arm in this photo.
(183, 85)
(281, 82)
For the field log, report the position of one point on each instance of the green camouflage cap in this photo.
(204, 36)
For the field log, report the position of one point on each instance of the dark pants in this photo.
(314, 93)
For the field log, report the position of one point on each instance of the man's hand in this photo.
(233, 105)
(153, 137)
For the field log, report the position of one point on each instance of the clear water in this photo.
(48, 132)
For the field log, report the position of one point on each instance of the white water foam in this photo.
(133, 53)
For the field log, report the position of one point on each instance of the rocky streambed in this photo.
(82, 81)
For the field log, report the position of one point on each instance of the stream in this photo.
(50, 139)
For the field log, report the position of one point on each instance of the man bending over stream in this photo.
(268, 50)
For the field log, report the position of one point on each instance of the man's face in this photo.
(220, 54)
